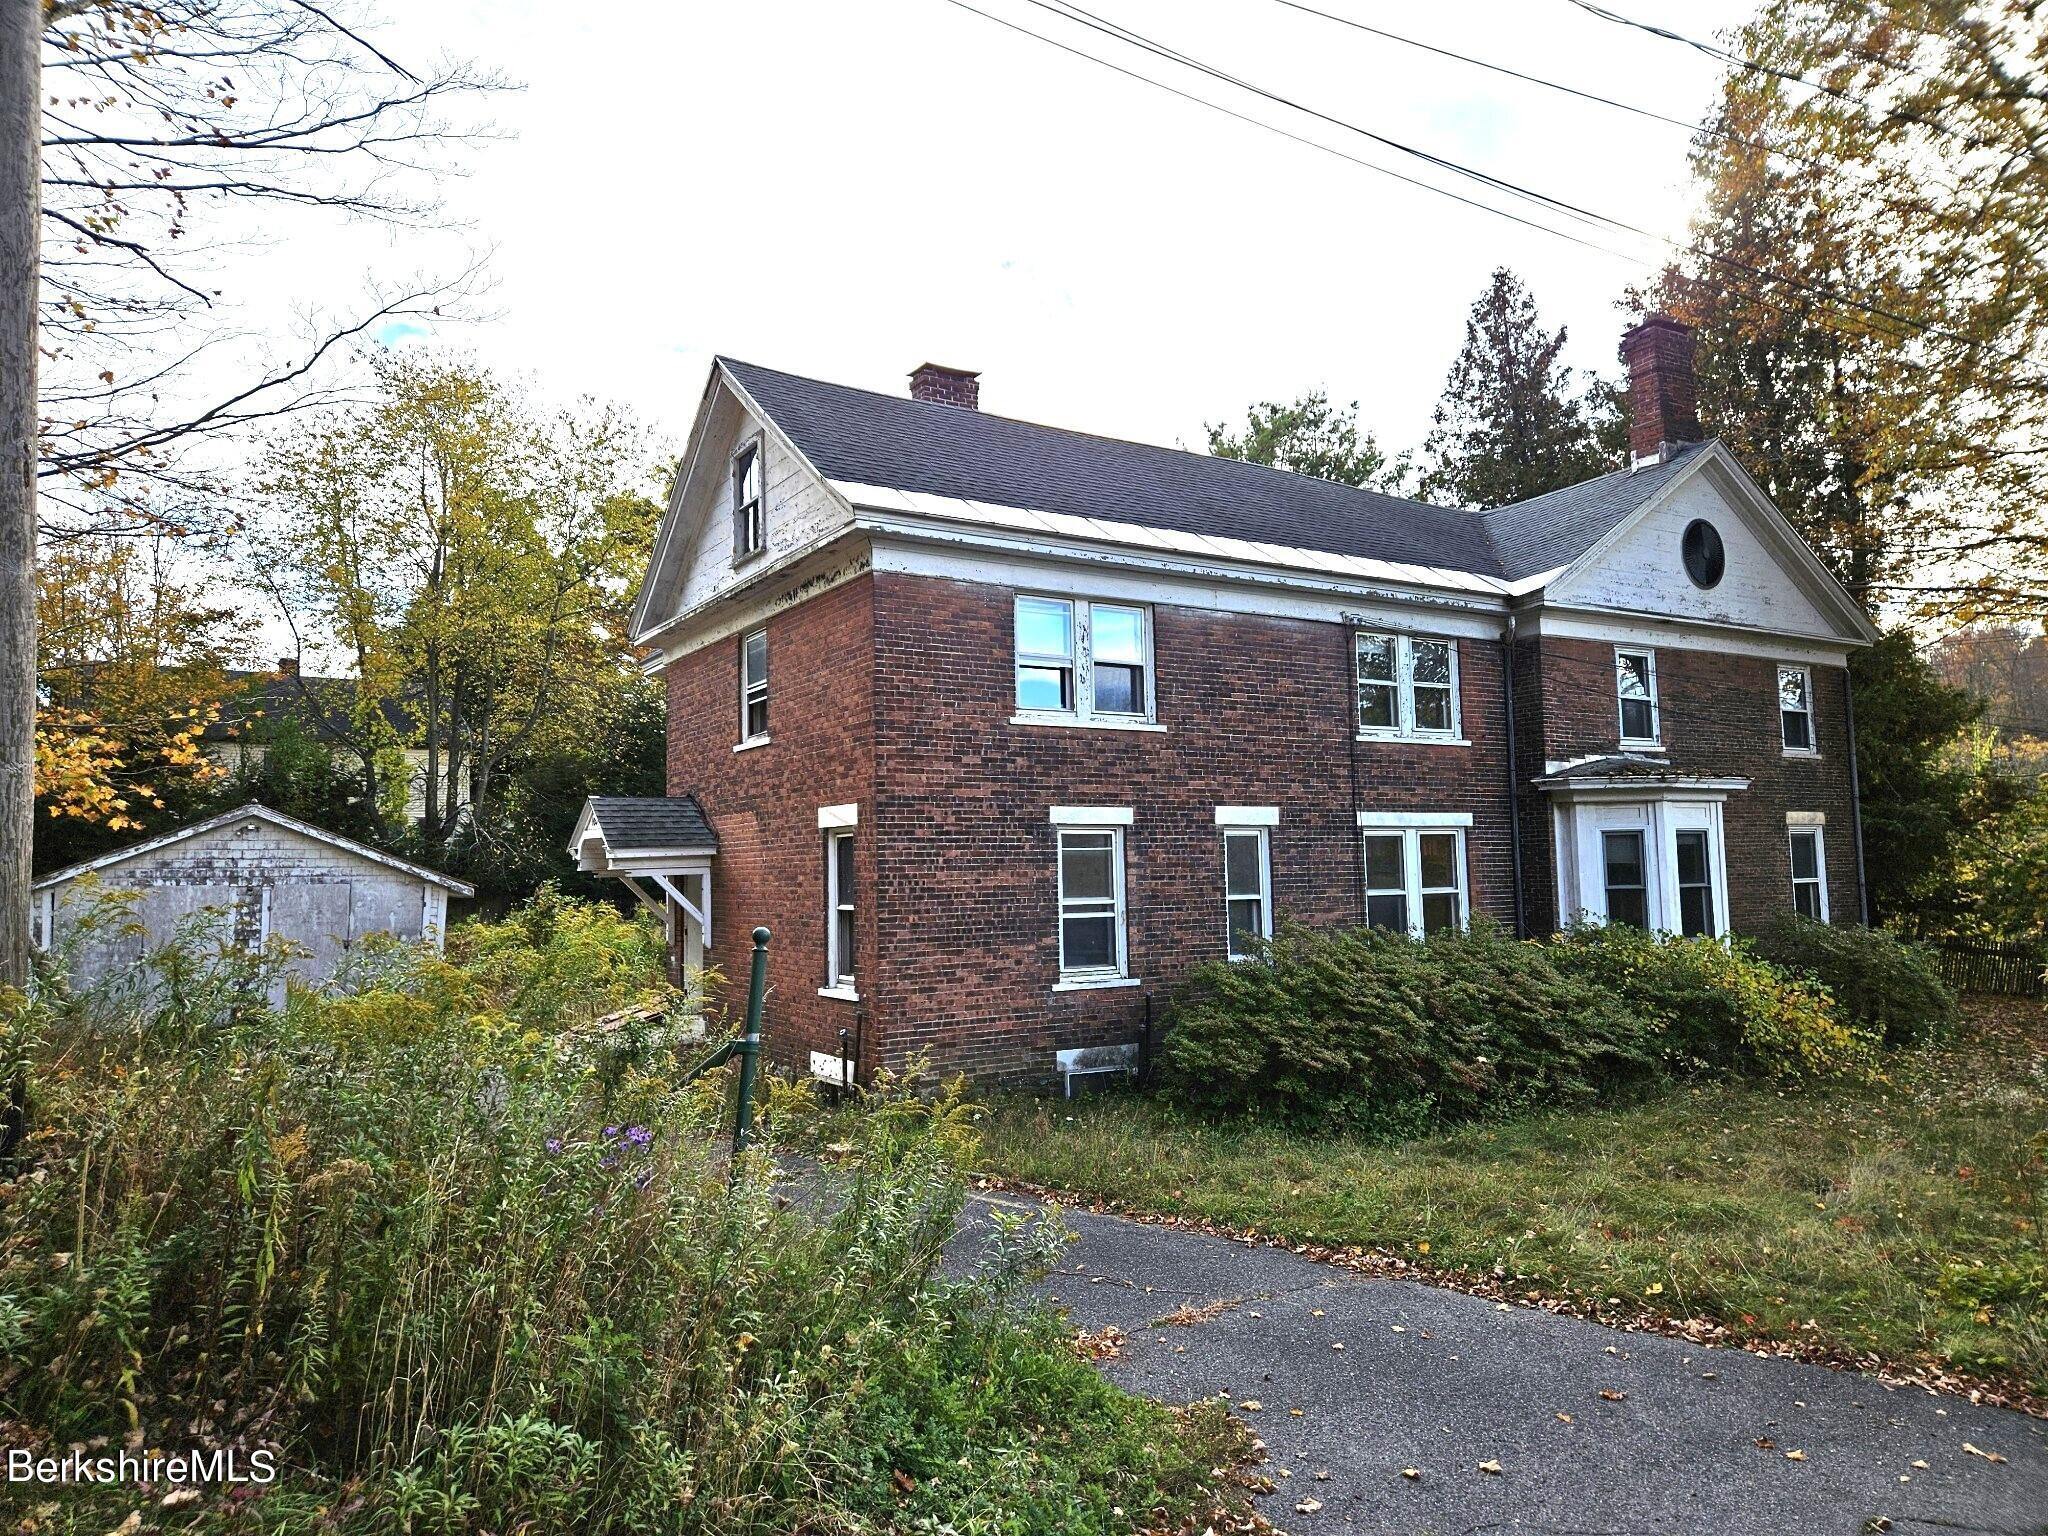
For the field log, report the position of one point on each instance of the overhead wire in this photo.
(1115, 30)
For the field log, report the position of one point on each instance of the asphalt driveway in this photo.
(1349, 1380)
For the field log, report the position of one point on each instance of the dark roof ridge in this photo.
(1104, 437)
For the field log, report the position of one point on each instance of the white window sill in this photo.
(1808, 753)
(1631, 744)
(843, 994)
(1417, 738)
(752, 742)
(1076, 722)
(1097, 983)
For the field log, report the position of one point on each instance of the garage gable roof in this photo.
(276, 818)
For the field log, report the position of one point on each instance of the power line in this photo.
(1791, 77)
(1274, 128)
(1069, 11)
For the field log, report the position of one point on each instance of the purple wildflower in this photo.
(554, 1145)
(610, 1131)
(639, 1135)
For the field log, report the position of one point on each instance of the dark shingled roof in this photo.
(944, 450)
(1622, 766)
(648, 821)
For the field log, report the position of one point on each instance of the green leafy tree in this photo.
(1311, 437)
(1873, 294)
(474, 556)
(1917, 793)
(1509, 425)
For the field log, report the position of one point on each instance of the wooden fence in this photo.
(2012, 969)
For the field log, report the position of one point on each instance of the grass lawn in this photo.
(1902, 1222)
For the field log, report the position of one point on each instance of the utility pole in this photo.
(21, 28)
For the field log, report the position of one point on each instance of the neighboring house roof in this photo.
(866, 438)
(647, 824)
(323, 705)
(277, 819)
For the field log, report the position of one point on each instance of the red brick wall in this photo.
(1257, 712)
(1718, 714)
(763, 803)
(895, 692)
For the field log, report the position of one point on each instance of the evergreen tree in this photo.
(1509, 426)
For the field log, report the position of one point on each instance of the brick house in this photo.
(1001, 727)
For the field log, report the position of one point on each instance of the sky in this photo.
(850, 189)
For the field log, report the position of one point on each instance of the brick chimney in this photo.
(1663, 392)
(288, 666)
(939, 385)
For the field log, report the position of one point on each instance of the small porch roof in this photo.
(1632, 771)
(640, 834)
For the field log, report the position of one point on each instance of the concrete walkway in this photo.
(1594, 1431)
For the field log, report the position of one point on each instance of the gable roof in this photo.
(867, 438)
(646, 823)
(276, 818)
(323, 705)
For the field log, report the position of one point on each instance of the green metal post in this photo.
(750, 1043)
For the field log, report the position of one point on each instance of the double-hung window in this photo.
(1809, 873)
(1635, 685)
(839, 908)
(1626, 873)
(1247, 890)
(1407, 686)
(1093, 943)
(749, 504)
(1795, 709)
(754, 687)
(1695, 883)
(1080, 661)
(1414, 871)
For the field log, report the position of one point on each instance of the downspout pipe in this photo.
(1515, 779)
(1350, 675)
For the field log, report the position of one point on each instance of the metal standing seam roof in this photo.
(870, 438)
(630, 822)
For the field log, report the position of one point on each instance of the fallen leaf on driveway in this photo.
(1492, 1467)
(1990, 1456)
(1795, 1455)
(1610, 1395)
(1564, 1418)
(1308, 1506)
(1766, 1443)
(1921, 1465)
(1251, 1405)
(1410, 1473)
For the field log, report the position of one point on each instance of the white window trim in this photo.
(838, 816)
(1404, 727)
(1812, 748)
(46, 918)
(837, 983)
(1083, 662)
(1091, 816)
(1119, 973)
(757, 445)
(1411, 825)
(1656, 736)
(1262, 831)
(1811, 823)
(767, 671)
(1247, 815)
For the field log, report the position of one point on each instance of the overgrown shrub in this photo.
(1888, 986)
(470, 1272)
(1717, 1005)
(1364, 1029)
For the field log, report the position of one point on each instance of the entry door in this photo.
(1620, 864)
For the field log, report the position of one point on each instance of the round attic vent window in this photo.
(1705, 559)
